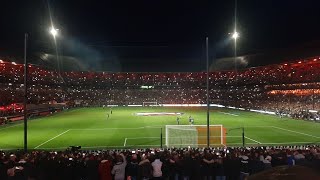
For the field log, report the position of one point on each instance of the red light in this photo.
(299, 62)
(286, 64)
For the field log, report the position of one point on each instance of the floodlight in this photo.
(235, 35)
(54, 31)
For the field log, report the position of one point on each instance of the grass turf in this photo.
(91, 128)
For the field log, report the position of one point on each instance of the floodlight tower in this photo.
(25, 96)
(235, 35)
(55, 32)
(208, 103)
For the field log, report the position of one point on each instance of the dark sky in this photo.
(156, 35)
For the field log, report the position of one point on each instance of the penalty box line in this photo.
(294, 131)
(52, 138)
(253, 140)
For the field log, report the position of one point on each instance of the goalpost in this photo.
(194, 135)
(151, 103)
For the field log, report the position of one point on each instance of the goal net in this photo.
(194, 135)
(149, 104)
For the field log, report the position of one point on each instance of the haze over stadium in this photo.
(159, 90)
(131, 36)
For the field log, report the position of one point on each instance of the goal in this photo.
(154, 103)
(194, 135)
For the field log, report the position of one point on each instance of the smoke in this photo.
(229, 63)
(74, 55)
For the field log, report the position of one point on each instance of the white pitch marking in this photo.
(156, 145)
(253, 140)
(52, 138)
(10, 126)
(125, 142)
(229, 113)
(295, 132)
(143, 138)
(97, 129)
(289, 143)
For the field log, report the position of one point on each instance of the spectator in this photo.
(105, 168)
(119, 168)
(145, 168)
(133, 168)
(157, 167)
(244, 167)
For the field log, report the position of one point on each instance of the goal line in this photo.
(126, 139)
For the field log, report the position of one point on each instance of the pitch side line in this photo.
(10, 149)
(10, 126)
(230, 127)
(125, 140)
(295, 132)
(228, 113)
(97, 129)
(284, 143)
(156, 145)
(155, 127)
(253, 140)
(52, 138)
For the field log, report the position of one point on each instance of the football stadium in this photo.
(141, 127)
(270, 110)
(140, 110)
(156, 90)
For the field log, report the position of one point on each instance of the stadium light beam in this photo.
(54, 31)
(235, 35)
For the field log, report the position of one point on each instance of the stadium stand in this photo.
(290, 89)
(188, 163)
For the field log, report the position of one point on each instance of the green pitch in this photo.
(91, 128)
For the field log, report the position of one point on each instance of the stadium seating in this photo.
(291, 88)
(194, 164)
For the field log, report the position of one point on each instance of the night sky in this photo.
(155, 35)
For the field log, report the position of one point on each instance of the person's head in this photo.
(119, 158)
(144, 156)
(13, 157)
(134, 158)
(156, 156)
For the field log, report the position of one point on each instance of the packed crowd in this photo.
(292, 86)
(144, 164)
